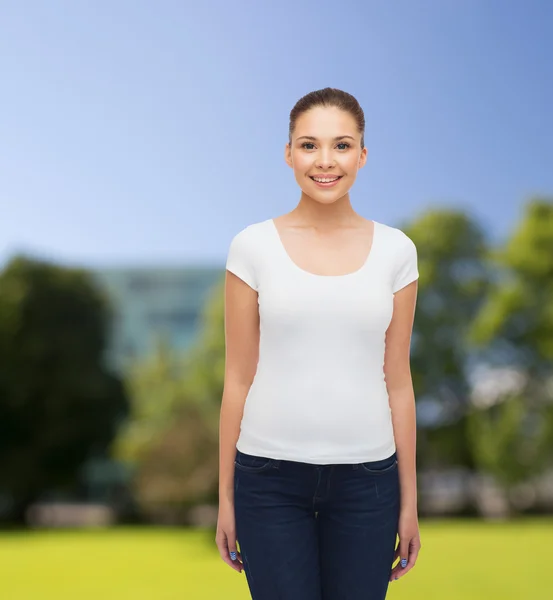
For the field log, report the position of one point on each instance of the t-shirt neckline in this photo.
(288, 258)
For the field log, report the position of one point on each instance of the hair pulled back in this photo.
(329, 97)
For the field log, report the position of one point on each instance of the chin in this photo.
(322, 199)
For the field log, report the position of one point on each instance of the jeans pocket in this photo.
(379, 467)
(251, 463)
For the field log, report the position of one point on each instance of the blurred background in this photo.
(137, 138)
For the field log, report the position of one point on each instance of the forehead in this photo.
(325, 122)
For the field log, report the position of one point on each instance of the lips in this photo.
(328, 184)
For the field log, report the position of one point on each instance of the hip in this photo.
(261, 481)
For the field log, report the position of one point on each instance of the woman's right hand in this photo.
(225, 537)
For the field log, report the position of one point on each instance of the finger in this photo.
(394, 573)
(399, 570)
(234, 554)
(403, 552)
(233, 560)
(414, 549)
(395, 569)
(229, 553)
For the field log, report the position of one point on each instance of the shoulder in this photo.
(246, 243)
(243, 252)
(250, 233)
(402, 253)
(396, 238)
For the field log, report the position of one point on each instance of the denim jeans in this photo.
(316, 532)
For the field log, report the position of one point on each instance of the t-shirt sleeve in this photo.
(240, 258)
(406, 265)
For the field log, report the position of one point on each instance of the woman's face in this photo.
(325, 142)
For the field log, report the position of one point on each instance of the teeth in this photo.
(324, 180)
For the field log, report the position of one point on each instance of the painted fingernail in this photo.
(396, 578)
(233, 556)
(404, 562)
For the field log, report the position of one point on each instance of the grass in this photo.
(459, 560)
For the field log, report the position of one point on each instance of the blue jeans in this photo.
(316, 532)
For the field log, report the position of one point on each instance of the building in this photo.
(153, 303)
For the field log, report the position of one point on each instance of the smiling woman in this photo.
(332, 158)
(317, 432)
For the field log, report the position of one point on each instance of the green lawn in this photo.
(460, 560)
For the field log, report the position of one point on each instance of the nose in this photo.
(324, 159)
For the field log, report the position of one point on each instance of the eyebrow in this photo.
(340, 137)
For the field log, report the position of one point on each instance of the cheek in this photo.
(351, 163)
(302, 163)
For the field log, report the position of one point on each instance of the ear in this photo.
(288, 155)
(363, 158)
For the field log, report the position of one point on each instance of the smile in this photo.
(326, 181)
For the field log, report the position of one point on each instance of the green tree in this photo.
(513, 438)
(451, 247)
(171, 436)
(59, 405)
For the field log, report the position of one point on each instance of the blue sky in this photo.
(149, 133)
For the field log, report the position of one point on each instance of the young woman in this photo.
(317, 431)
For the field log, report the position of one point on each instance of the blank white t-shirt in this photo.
(319, 394)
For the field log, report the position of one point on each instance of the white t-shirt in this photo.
(319, 394)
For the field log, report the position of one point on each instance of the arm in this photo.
(399, 383)
(241, 357)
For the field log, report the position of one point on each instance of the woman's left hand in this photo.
(409, 543)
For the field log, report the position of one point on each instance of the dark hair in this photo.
(329, 97)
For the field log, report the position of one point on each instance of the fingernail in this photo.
(396, 578)
(233, 556)
(404, 562)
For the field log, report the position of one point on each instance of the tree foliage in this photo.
(513, 439)
(59, 405)
(171, 437)
(452, 283)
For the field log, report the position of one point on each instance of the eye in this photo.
(339, 144)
